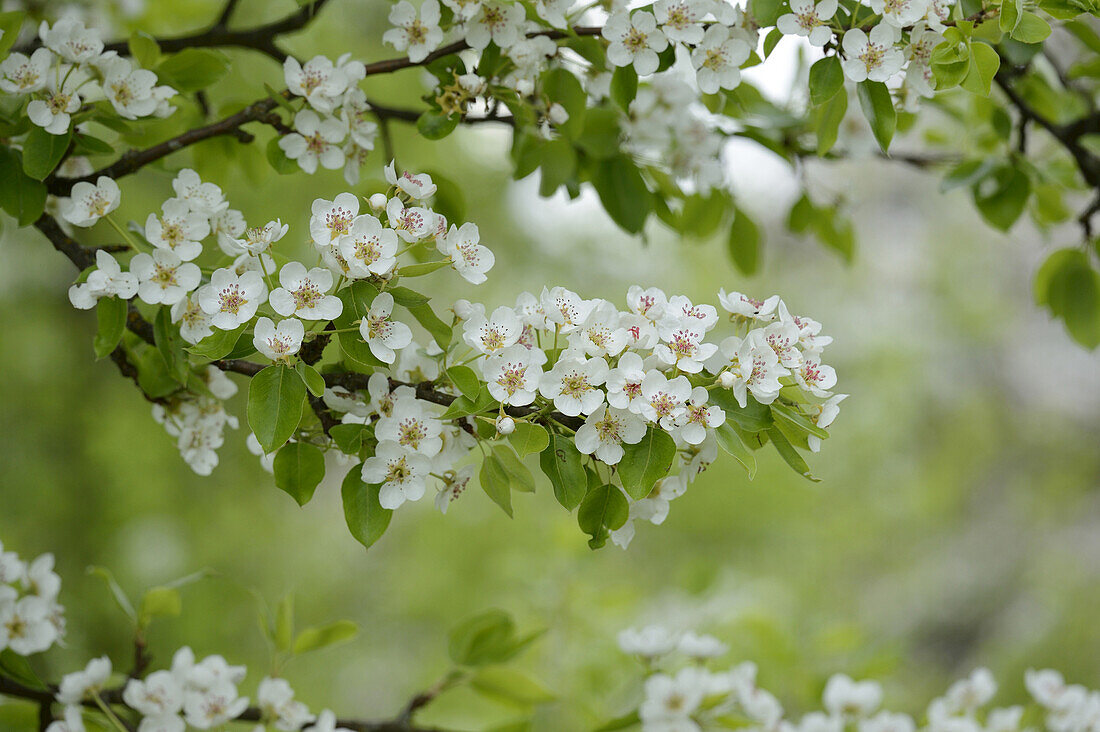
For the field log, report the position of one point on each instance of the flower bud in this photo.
(378, 201)
(557, 114)
(463, 308)
(726, 379)
(506, 425)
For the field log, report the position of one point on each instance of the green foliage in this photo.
(488, 638)
(42, 152)
(496, 483)
(192, 69)
(878, 108)
(624, 86)
(744, 242)
(10, 23)
(1069, 287)
(276, 396)
(299, 468)
(111, 317)
(366, 518)
(335, 633)
(646, 462)
(313, 380)
(357, 299)
(21, 196)
(435, 125)
(529, 438)
(561, 462)
(604, 509)
(623, 192)
(826, 79)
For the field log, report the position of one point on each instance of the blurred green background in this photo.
(957, 523)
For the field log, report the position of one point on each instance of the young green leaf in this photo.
(42, 152)
(731, 442)
(464, 378)
(529, 438)
(624, 86)
(826, 79)
(878, 108)
(603, 509)
(646, 462)
(23, 197)
(366, 518)
(561, 462)
(311, 378)
(496, 483)
(275, 400)
(111, 314)
(192, 69)
(299, 468)
(311, 639)
(744, 242)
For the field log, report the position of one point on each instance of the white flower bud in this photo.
(726, 379)
(506, 425)
(557, 114)
(377, 201)
(463, 308)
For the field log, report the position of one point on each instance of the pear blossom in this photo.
(318, 80)
(671, 700)
(685, 350)
(747, 307)
(844, 697)
(194, 322)
(572, 384)
(201, 197)
(505, 425)
(718, 58)
(553, 11)
(81, 685)
(624, 383)
(499, 22)
(871, 56)
(231, 300)
(412, 223)
(493, 334)
(54, 113)
(20, 74)
(652, 641)
(663, 399)
(315, 141)
(278, 342)
(815, 377)
(417, 37)
(88, 203)
(402, 473)
(681, 19)
(69, 39)
(783, 338)
(512, 375)
(326, 722)
(605, 432)
(257, 240)
(129, 90)
(26, 625)
(163, 278)
(177, 229)
(227, 226)
(382, 334)
(369, 248)
(564, 308)
(649, 303)
(701, 645)
(601, 333)
(106, 280)
(158, 695)
(214, 706)
(809, 20)
(634, 40)
(681, 313)
(72, 721)
(470, 259)
(303, 293)
(697, 417)
(357, 115)
(276, 701)
(416, 186)
(900, 13)
(331, 220)
(412, 426)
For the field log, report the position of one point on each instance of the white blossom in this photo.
(163, 278)
(231, 300)
(382, 334)
(178, 229)
(417, 37)
(634, 40)
(809, 20)
(88, 203)
(303, 294)
(872, 56)
(278, 342)
(401, 474)
(470, 259)
(315, 141)
(605, 432)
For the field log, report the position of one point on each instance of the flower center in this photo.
(574, 384)
(398, 471)
(306, 296)
(634, 40)
(164, 276)
(512, 377)
(338, 220)
(232, 299)
(608, 429)
(410, 432)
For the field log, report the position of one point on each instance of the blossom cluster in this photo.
(689, 698)
(71, 69)
(198, 421)
(335, 130)
(31, 620)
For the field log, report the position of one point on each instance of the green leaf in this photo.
(111, 314)
(366, 518)
(418, 270)
(1010, 15)
(1031, 28)
(357, 300)
(348, 437)
(14, 666)
(623, 192)
(624, 86)
(564, 88)
(826, 79)
(43, 151)
(829, 118)
(600, 137)
(789, 454)
(280, 163)
(311, 378)
(23, 197)
(496, 484)
(1002, 196)
(299, 468)
(218, 344)
(11, 23)
(984, 63)
(744, 243)
(753, 417)
(645, 463)
(486, 639)
(88, 145)
(170, 345)
(765, 12)
(519, 476)
(510, 686)
(783, 413)
(434, 125)
(466, 380)
(558, 163)
(275, 400)
(439, 331)
(731, 442)
(878, 108)
(159, 602)
(312, 639)
(561, 462)
(284, 623)
(145, 49)
(529, 438)
(192, 69)
(1070, 288)
(117, 593)
(702, 215)
(407, 298)
(603, 509)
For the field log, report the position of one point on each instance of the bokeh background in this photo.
(957, 523)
